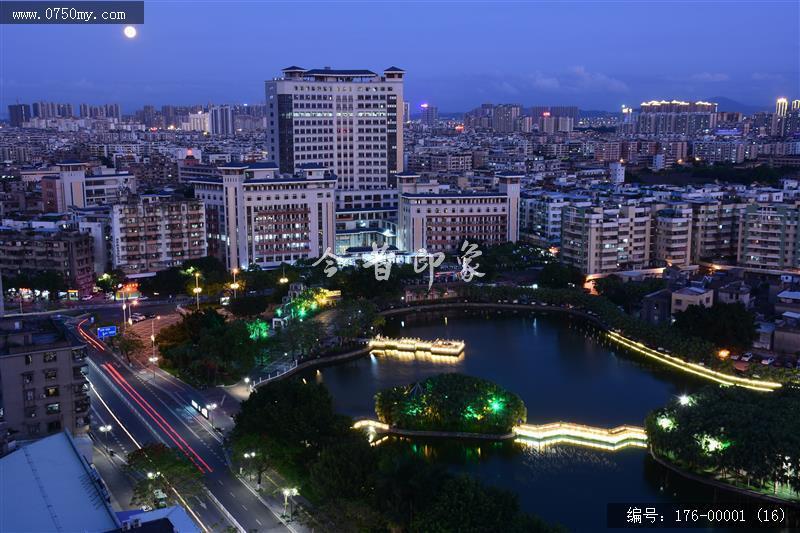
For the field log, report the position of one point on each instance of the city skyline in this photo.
(515, 59)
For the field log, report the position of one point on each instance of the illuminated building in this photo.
(439, 219)
(676, 117)
(429, 114)
(156, 232)
(781, 106)
(351, 122)
(255, 215)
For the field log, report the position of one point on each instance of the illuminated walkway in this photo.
(539, 436)
(693, 368)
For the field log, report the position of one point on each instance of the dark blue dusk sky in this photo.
(458, 54)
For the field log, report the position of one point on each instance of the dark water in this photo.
(563, 370)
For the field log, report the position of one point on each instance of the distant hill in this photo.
(726, 104)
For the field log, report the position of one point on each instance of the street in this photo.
(143, 410)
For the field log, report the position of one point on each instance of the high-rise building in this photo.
(155, 232)
(505, 117)
(19, 113)
(347, 120)
(676, 117)
(781, 106)
(256, 216)
(221, 121)
(796, 105)
(429, 114)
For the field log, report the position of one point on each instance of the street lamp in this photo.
(154, 357)
(104, 430)
(211, 407)
(197, 289)
(234, 285)
(288, 492)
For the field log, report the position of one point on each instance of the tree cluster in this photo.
(744, 437)
(729, 326)
(206, 350)
(451, 402)
(291, 426)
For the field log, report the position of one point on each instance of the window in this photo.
(29, 395)
(53, 408)
(27, 378)
(28, 359)
(49, 357)
(51, 392)
(54, 426)
(50, 374)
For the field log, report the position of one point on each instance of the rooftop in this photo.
(49, 486)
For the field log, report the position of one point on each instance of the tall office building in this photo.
(19, 113)
(221, 120)
(795, 105)
(781, 106)
(347, 120)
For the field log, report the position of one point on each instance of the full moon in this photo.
(130, 32)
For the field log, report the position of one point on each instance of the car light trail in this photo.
(692, 368)
(136, 443)
(158, 419)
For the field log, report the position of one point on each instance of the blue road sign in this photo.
(108, 331)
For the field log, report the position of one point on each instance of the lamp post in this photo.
(197, 289)
(288, 492)
(247, 455)
(211, 407)
(105, 430)
(234, 285)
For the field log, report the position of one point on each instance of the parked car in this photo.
(768, 361)
(735, 357)
(746, 357)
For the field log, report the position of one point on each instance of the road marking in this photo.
(243, 507)
(259, 522)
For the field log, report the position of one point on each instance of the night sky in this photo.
(597, 55)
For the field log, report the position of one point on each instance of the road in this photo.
(160, 410)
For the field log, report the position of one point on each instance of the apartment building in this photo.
(28, 249)
(540, 215)
(768, 237)
(718, 151)
(73, 187)
(602, 240)
(438, 219)
(43, 383)
(715, 228)
(257, 216)
(154, 232)
(673, 235)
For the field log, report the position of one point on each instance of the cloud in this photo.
(711, 77)
(579, 79)
(766, 76)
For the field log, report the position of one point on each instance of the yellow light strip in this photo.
(406, 344)
(693, 368)
(542, 435)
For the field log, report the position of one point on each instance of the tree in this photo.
(248, 305)
(628, 295)
(159, 467)
(729, 326)
(557, 275)
(344, 469)
(465, 505)
(129, 343)
(353, 319)
(109, 281)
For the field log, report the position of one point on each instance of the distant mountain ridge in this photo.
(727, 104)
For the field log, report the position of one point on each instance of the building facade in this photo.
(257, 216)
(155, 232)
(43, 374)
